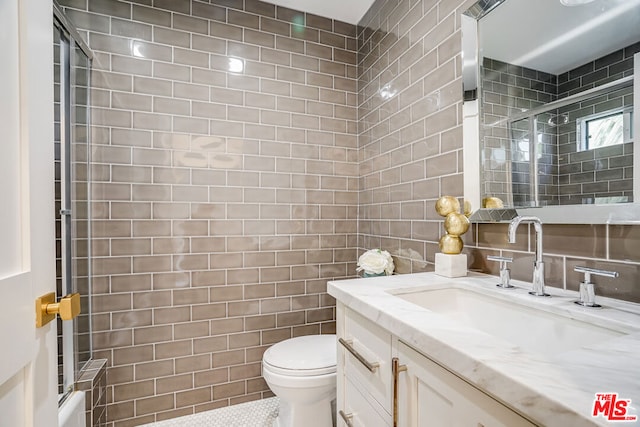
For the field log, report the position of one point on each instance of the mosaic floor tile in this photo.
(258, 413)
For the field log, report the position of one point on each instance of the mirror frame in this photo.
(618, 213)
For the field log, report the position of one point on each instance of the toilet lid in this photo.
(307, 355)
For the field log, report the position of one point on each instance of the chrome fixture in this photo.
(587, 291)
(575, 2)
(505, 273)
(538, 265)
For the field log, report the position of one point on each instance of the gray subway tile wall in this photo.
(391, 141)
(224, 188)
(409, 125)
(224, 202)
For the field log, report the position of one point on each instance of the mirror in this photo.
(549, 108)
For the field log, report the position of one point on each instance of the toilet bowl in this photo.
(302, 373)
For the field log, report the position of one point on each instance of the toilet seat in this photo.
(305, 356)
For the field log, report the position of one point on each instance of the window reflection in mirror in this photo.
(604, 129)
(542, 142)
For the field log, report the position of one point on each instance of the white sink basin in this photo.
(533, 330)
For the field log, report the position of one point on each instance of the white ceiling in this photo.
(547, 36)
(350, 11)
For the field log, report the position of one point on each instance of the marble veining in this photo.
(551, 390)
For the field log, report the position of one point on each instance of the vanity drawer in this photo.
(359, 411)
(373, 345)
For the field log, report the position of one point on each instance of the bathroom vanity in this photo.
(439, 351)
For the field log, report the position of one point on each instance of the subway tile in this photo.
(209, 11)
(274, 26)
(121, 410)
(193, 363)
(171, 315)
(271, 56)
(192, 397)
(259, 38)
(131, 319)
(191, 329)
(233, 181)
(133, 390)
(190, 24)
(130, 66)
(171, 37)
(242, 19)
(174, 383)
(228, 358)
(228, 390)
(110, 8)
(170, 280)
(152, 50)
(623, 242)
(226, 31)
(129, 29)
(151, 15)
(128, 355)
(171, 71)
(272, 336)
(154, 404)
(173, 349)
(152, 86)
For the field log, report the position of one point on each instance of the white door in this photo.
(28, 393)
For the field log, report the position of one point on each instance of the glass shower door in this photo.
(71, 97)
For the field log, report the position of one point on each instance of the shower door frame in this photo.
(70, 40)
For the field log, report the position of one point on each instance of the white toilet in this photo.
(302, 373)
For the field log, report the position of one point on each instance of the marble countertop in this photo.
(551, 390)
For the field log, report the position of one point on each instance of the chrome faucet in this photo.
(538, 265)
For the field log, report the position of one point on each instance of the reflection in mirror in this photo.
(554, 103)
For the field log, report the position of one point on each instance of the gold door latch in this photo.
(46, 308)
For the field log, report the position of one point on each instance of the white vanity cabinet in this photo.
(364, 392)
(428, 395)
(431, 396)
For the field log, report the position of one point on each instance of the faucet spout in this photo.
(538, 265)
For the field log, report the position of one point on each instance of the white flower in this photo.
(376, 261)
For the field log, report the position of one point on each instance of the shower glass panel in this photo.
(71, 118)
(578, 153)
(521, 176)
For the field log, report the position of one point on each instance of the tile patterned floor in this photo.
(258, 413)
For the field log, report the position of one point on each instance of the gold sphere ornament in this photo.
(447, 204)
(451, 245)
(493, 203)
(468, 210)
(456, 224)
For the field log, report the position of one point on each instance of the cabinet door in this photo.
(374, 344)
(431, 396)
(359, 410)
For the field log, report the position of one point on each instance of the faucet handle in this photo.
(587, 290)
(502, 259)
(505, 273)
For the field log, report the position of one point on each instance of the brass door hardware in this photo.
(346, 418)
(396, 368)
(371, 366)
(46, 308)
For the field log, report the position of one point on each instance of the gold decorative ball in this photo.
(492, 203)
(468, 210)
(447, 204)
(456, 224)
(451, 245)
